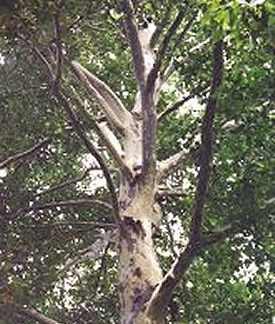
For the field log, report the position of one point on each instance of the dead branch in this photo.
(168, 166)
(111, 105)
(65, 184)
(152, 77)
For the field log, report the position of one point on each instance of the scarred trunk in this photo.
(140, 272)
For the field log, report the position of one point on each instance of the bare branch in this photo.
(39, 55)
(111, 105)
(108, 138)
(174, 192)
(161, 25)
(168, 166)
(34, 314)
(19, 157)
(92, 252)
(76, 224)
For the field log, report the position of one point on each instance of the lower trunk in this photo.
(140, 272)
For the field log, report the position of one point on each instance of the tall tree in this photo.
(181, 134)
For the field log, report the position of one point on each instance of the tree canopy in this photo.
(59, 179)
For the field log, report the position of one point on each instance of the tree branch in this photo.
(58, 42)
(163, 293)
(181, 102)
(64, 184)
(135, 43)
(34, 314)
(207, 141)
(89, 203)
(24, 155)
(152, 77)
(108, 138)
(92, 149)
(166, 167)
(111, 105)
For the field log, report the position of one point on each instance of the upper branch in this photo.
(135, 43)
(166, 167)
(152, 77)
(58, 42)
(112, 106)
(24, 155)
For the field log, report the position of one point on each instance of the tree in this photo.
(163, 173)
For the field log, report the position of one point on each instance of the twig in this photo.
(75, 224)
(24, 155)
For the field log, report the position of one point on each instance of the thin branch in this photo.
(76, 203)
(178, 104)
(174, 192)
(34, 314)
(65, 184)
(92, 149)
(152, 77)
(171, 236)
(161, 25)
(24, 155)
(58, 42)
(163, 293)
(39, 55)
(91, 252)
(76, 224)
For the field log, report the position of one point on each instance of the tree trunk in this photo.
(140, 271)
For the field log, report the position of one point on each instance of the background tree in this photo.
(111, 185)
